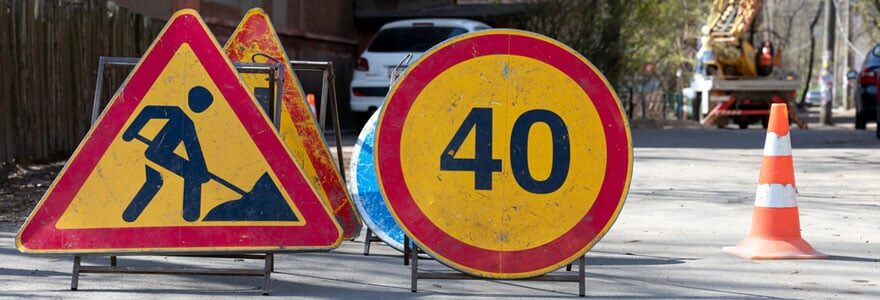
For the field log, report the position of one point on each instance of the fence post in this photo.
(665, 101)
(680, 109)
(629, 111)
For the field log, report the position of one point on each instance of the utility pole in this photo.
(847, 54)
(809, 76)
(826, 75)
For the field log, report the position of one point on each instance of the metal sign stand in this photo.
(328, 94)
(372, 238)
(415, 275)
(408, 249)
(265, 272)
(369, 239)
(328, 91)
(276, 80)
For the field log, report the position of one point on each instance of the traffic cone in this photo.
(776, 229)
(311, 99)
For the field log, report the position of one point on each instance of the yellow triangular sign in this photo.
(255, 40)
(181, 160)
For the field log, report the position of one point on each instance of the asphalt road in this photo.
(692, 193)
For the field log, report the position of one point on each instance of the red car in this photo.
(866, 89)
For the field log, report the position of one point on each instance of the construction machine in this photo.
(734, 81)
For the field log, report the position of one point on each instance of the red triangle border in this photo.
(39, 233)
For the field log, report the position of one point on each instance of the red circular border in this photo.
(435, 239)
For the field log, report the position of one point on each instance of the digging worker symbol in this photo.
(263, 203)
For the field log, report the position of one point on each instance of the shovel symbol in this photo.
(263, 202)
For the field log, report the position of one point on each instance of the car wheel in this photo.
(861, 121)
(765, 121)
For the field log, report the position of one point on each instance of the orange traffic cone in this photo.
(776, 229)
(311, 99)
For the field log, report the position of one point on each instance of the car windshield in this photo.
(412, 39)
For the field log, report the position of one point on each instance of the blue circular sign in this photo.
(365, 192)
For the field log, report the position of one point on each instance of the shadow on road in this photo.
(31, 273)
(853, 258)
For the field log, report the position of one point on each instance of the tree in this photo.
(623, 37)
(592, 27)
(870, 12)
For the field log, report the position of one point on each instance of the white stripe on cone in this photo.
(776, 145)
(776, 195)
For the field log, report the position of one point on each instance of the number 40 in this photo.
(483, 165)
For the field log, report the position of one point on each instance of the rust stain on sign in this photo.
(255, 40)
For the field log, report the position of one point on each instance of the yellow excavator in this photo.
(734, 80)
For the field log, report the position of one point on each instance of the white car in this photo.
(371, 79)
(814, 98)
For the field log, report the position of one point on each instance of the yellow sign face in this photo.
(182, 160)
(255, 40)
(524, 218)
(503, 153)
(124, 163)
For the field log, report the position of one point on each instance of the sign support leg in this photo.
(74, 278)
(582, 288)
(414, 275)
(271, 261)
(334, 110)
(369, 239)
(99, 82)
(322, 111)
(279, 94)
(406, 250)
(267, 272)
(580, 278)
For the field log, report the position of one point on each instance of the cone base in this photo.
(760, 248)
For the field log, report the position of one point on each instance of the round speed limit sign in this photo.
(503, 154)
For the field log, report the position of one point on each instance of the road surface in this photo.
(692, 193)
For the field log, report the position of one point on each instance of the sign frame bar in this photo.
(276, 79)
(328, 94)
(328, 91)
(113, 268)
(415, 275)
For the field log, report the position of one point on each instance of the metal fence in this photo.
(657, 105)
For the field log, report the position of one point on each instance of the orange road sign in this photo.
(182, 160)
(255, 40)
(503, 154)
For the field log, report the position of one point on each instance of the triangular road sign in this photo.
(182, 160)
(255, 40)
